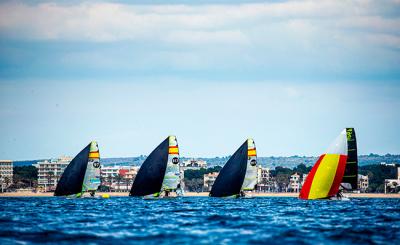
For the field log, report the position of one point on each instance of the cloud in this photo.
(207, 23)
(285, 40)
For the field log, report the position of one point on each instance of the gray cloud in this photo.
(107, 22)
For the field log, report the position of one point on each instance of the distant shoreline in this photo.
(202, 194)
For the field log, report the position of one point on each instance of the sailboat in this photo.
(82, 175)
(239, 174)
(159, 174)
(335, 171)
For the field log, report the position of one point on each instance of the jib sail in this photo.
(172, 175)
(250, 179)
(91, 181)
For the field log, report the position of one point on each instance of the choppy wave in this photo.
(199, 220)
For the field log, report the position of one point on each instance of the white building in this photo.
(131, 173)
(112, 171)
(50, 171)
(363, 182)
(119, 178)
(263, 179)
(303, 179)
(388, 164)
(209, 180)
(294, 182)
(6, 173)
(194, 164)
(392, 183)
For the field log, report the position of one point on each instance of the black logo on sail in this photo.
(175, 160)
(96, 164)
(253, 162)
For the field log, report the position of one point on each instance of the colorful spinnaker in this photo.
(160, 171)
(239, 173)
(335, 169)
(82, 174)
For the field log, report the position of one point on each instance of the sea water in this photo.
(194, 220)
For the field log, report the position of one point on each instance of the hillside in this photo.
(270, 162)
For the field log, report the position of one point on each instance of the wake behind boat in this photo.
(159, 175)
(335, 171)
(82, 175)
(239, 174)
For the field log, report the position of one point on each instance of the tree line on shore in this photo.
(376, 173)
(27, 176)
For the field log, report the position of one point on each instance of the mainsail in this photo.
(250, 179)
(326, 176)
(74, 175)
(91, 181)
(172, 174)
(160, 170)
(231, 178)
(350, 179)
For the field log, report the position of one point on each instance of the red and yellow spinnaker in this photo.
(325, 177)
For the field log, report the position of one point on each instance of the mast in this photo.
(230, 179)
(151, 174)
(72, 178)
(325, 177)
(250, 179)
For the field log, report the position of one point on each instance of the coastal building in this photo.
(50, 171)
(363, 182)
(209, 180)
(392, 184)
(111, 171)
(388, 164)
(294, 183)
(264, 183)
(194, 164)
(118, 178)
(131, 173)
(6, 173)
(303, 179)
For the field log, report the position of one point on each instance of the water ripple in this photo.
(199, 220)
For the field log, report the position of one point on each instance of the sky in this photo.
(290, 74)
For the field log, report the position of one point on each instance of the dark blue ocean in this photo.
(193, 220)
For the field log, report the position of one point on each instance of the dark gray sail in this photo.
(231, 177)
(71, 180)
(151, 174)
(351, 171)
